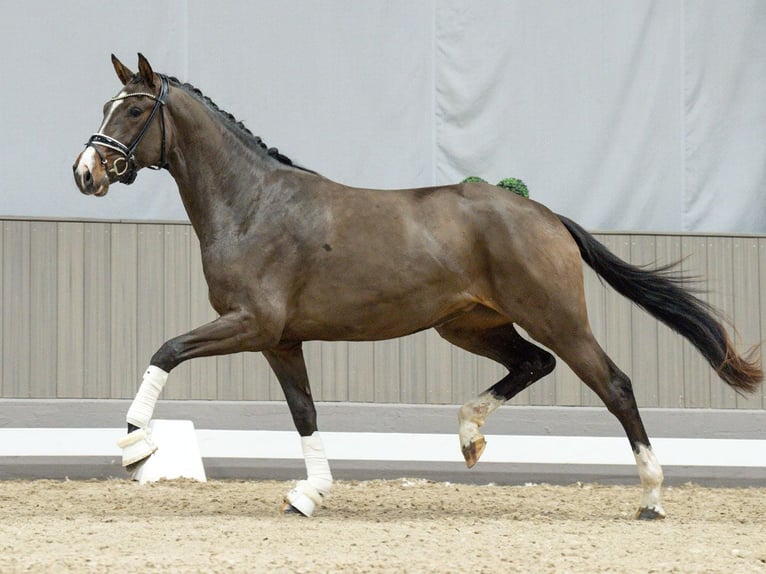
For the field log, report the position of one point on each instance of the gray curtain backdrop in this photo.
(631, 115)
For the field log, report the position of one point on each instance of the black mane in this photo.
(245, 135)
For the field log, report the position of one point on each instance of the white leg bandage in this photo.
(650, 472)
(142, 408)
(308, 494)
(138, 445)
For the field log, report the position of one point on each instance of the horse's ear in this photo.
(145, 70)
(123, 72)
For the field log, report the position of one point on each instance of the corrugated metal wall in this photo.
(86, 304)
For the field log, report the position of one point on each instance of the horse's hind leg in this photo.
(290, 368)
(526, 363)
(584, 355)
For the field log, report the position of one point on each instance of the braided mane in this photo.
(237, 127)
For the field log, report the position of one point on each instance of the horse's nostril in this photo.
(88, 178)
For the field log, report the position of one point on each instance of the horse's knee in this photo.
(304, 417)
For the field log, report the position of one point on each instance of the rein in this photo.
(125, 167)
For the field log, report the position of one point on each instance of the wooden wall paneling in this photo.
(177, 301)
(464, 380)
(335, 382)
(721, 296)
(150, 296)
(696, 369)
(231, 377)
(123, 296)
(412, 366)
(760, 303)
(361, 372)
(387, 381)
(97, 327)
(670, 358)
(3, 312)
(16, 309)
(645, 355)
(568, 385)
(260, 383)
(70, 327)
(86, 305)
(438, 369)
(745, 291)
(43, 309)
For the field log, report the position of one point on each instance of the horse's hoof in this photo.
(289, 510)
(473, 451)
(136, 447)
(650, 513)
(300, 500)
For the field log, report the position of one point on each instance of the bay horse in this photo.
(290, 256)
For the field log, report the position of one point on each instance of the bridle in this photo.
(125, 167)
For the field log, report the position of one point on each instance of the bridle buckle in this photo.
(116, 170)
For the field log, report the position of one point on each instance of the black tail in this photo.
(663, 295)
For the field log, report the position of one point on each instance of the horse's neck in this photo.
(218, 175)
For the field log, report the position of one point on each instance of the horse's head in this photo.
(134, 116)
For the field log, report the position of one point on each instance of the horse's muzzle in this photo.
(89, 174)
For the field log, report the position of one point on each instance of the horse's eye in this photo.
(135, 112)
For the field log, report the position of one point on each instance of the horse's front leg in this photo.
(230, 333)
(287, 363)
